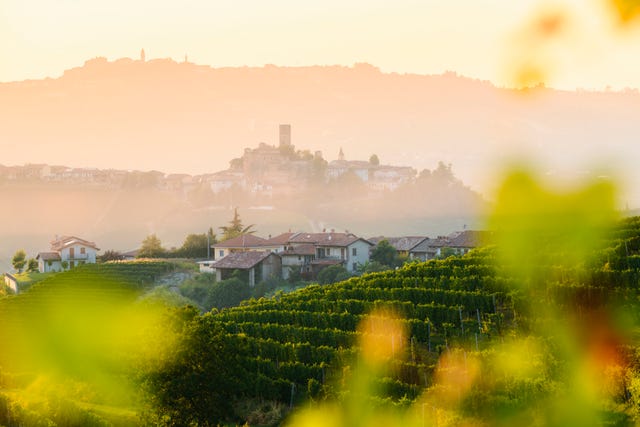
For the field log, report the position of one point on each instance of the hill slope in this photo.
(129, 114)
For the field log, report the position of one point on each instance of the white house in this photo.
(49, 261)
(69, 250)
(298, 258)
(335, 248)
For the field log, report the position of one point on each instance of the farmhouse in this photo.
(259, 265)
(334, 248)
(243, 243)
(69, 251)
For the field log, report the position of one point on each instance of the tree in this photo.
(385, 254)
(32, 265)
(202, 377)
(151, 247)
(332, 274)
(446, 252)
(212, 236)
(374, 160)
(194, 246)
(19, 260)
(235, 227)
(372, 267)
(111, 255)
(228, 293)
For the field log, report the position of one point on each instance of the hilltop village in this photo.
(267, 170)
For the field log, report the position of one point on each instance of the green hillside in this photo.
(70, 343)
(468, 318)
(294, 347)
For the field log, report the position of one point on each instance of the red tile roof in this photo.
(48, 256)
(243, 241)
(242, 260)
(280, 239)
(304, 249)
(325, 239)
(65, 241)
(405, 243)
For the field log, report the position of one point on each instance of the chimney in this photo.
(285, 135)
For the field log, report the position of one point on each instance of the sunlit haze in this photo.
(43, 38)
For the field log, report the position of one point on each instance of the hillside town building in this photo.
(67, 252)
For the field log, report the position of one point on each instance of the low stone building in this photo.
(258, 265)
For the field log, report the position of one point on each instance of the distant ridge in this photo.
(183, 117)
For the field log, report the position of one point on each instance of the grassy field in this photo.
(29, 278)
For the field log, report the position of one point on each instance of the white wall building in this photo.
(67, 250)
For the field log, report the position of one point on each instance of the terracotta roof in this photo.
(132, 253)
(48, 256)
(428, 245)
(241, 260)
(280, 239)
(405, 243)
(469, 239)
(65, 241)
(304, 249)
(326, 239)
(459, 239)
(243, 241)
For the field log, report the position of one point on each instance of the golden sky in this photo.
(476, 38)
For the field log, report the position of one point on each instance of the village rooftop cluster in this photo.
(267, 170)
(308, 253)
(301, 253)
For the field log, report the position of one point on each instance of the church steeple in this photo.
(142, 55)
(340, 154)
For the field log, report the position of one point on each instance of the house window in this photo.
(48, 263)
(83, 251)
(354, 251)
(299, 258)
(321, 253)
(221, 253)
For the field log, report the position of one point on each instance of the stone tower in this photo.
(285, 135)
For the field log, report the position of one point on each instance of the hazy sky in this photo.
(40, 38)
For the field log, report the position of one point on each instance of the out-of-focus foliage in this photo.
(202, 378)
(541, 44)
(626, 10)
(567, 358)
(73, 344)
(536, 227)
